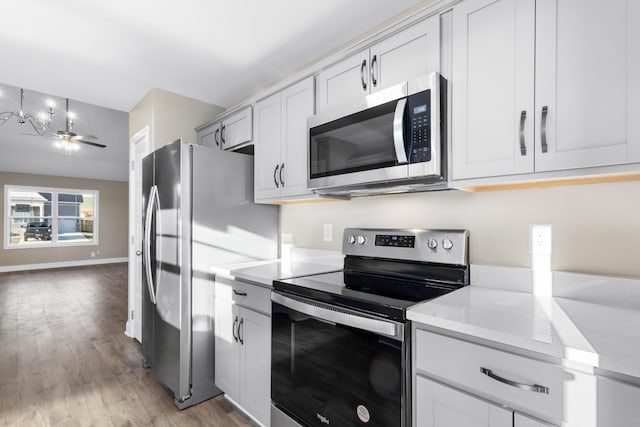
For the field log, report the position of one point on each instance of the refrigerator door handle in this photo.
(153, 194)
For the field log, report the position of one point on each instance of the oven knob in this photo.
(351, 240)
(432, 243)
(361, 240)
(447, 244)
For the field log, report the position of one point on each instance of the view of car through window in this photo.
(37, 230)
(47, 217)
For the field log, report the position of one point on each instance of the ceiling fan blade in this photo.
(88, 136)
(95, 144)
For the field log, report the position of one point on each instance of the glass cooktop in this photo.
(380, 296)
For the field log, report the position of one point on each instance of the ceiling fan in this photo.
(67, 136)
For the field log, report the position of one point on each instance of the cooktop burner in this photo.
(387, 271)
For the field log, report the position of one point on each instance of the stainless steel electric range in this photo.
(341, 341)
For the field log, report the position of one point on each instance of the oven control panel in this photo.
(395, 240)
(439, 246)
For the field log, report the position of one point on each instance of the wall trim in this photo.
(46, 265)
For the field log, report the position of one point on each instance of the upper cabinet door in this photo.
(587, 83)
(267, 148)
(408, 54)
(297, 105)
(347, 81)
(236, 129)
(210, 136)
(441, 406)
(493, 88)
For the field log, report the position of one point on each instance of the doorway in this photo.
(139, 147)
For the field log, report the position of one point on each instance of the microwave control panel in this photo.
(419, 112)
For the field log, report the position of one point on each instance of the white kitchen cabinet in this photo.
(615, 403)
(405, 55)
(255, 362)
(578, 60)
(281, 143)
(209, 135)
(227, 352)
(237, 129)
(464, 383)
(442, 406)
(492, 88)
(243, 346)
(520, 420)
(588, 79)
(344, 82)
(266, 164)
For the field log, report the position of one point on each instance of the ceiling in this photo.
(107, 55)
(111, 53)
(22, 150)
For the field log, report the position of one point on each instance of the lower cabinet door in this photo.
(227, 351)
(441, 406)
(255, 362)
(520, 420)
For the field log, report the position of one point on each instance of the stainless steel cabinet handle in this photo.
(275, 172)
(241, 331)
(222, 134)
(138, 252)
(523, 147)
(281, 180)
(233, 329)
(362, 67)
(241, 294)
(215, 137)
(374, 82)
(543, 129)
(528, 387)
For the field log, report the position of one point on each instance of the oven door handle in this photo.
(398, 131)
(336, 315)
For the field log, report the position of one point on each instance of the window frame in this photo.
(55, 217)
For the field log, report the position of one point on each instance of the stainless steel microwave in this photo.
(392, 141)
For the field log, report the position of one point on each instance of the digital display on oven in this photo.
(395, 240)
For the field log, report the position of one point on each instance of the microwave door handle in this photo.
(398, 131)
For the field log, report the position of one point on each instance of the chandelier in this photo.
(39, 124)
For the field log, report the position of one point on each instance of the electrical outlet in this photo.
(93, 254)
(540, 238)
(328, 232)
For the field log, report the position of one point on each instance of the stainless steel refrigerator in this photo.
(199, 212)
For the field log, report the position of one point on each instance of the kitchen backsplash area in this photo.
(595, 228)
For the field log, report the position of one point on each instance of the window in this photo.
(44, 217)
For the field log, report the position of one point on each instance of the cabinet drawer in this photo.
(461, 364)
(244, 294)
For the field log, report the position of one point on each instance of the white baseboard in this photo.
(78, 263)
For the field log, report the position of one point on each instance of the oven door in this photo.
(331, 366)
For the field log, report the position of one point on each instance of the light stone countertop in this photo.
(265, 274)
(598, 332)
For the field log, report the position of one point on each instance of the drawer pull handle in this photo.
(240, 294)
(535, 387)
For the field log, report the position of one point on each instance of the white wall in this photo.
(112, 219)
(170, 116)
(596, 228)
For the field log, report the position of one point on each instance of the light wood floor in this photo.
(64, 358)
